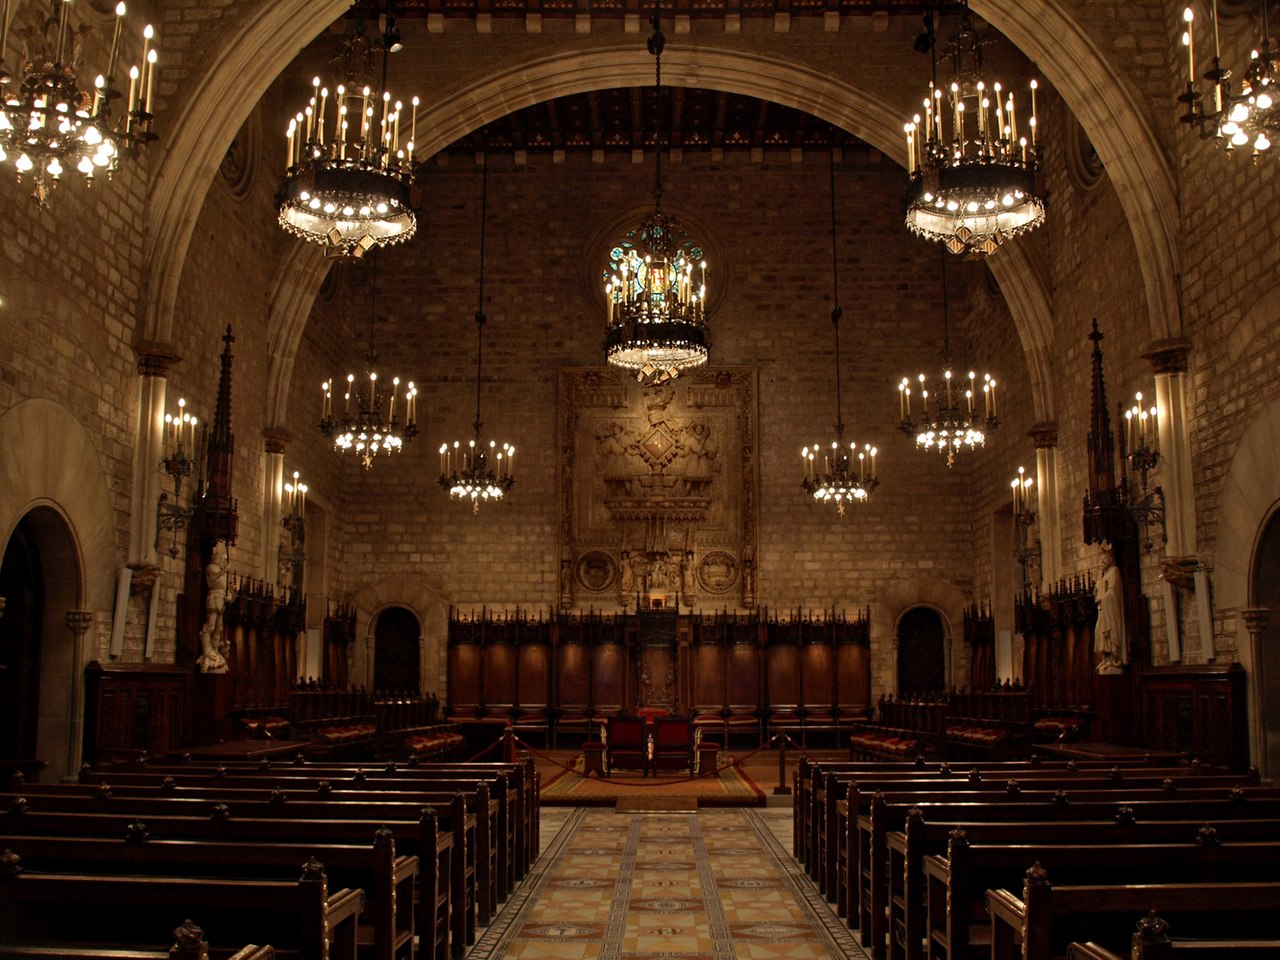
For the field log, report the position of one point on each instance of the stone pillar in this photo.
(154, 361)
(1169, 362)
(1255, 621)
(1045, 436)
(275, 439)
(78, 621)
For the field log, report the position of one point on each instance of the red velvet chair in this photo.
(626, 745)
(672, 744)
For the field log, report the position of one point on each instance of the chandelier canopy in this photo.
(1248, 118)
(657, 306)
(844, 473)
(951, 416)
(474, 471)
(348, 172)
(972, 172)
(371, 425)
(48, 123)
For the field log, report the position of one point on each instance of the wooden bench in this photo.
(1163, 947)
(390, 881)
(189, 944)
(301, 919)
(1037, 926)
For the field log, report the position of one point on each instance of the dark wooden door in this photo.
(921, 664)
(21, 627)
(1266, 593)
(395, 651)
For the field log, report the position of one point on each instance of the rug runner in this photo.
(731, 787)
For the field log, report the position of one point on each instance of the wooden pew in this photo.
(866, 844)
(391, 881)
(1246, 909)
(955, 883)
(448, 891)
(189, 944)
(302, 918)
(1167, 948)
(907, 849)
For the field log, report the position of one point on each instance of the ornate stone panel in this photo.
(658, 486)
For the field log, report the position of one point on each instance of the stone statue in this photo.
(688, 580)
(211, 658)
(1109, 639)
(628, 577)
(566, 582)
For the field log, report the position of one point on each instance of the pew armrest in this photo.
(1004, 906)
(1090, 951)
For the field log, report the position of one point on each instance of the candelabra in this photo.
(1138, 452)
(293, 554)
(178, 462)
(1025, 553)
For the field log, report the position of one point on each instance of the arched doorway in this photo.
(39, 671)
(396, 651)
(922, 666)
(1266, 593)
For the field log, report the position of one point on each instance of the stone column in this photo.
(1045, 436)
(1255, 621)
(78, 621)
(1169, 361)
(154, 361)
(275, 439)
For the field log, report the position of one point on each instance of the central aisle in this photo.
(717, 884)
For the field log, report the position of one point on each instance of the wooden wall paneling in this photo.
(609, 667)
(499, 670)
(709, 688)
(573, 667)
(742, 672)
(782, 663)
(533, 665)
(853, 678)
(1198, 710)
(133, 707)
(817, 668)
(464, 663)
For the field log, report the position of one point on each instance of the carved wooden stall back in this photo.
(657, 490)
(339, 632)
(263, 623)
(1057, 630)
(980, 638)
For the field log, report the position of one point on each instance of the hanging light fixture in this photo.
(838, 474)
(348, 172)
(49, 124)
(975, 186)
(952, 417)
(1248, 118)
(371, 425)
(473, 471)
(656, 280)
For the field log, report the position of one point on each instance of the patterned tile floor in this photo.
(715, 885)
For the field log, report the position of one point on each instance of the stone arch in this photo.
(424, 600)
(49, 470)
(887, 610)
(501, 92)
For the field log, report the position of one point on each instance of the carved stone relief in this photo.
(657, 488)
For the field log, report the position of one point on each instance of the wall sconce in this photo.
(294, 554)
(1025, 553)
(179, 439)
(1139, 443)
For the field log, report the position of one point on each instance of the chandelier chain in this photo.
(656, 43)
(836, 310)
(480, 317)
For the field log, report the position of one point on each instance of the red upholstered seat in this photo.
(672, 744)
(626, 744)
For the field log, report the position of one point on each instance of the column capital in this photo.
(1044, 434)
(155, 358)
(1168, 356)
(79, 620)
(275, 439)
(1255, 619)
(144, 578)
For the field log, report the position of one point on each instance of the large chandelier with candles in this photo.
(972, 170)
(656, 282)
(842, 473)
(49, 124)
(348, 171)
(377, 415)
(1249, 118)
(473, 472)
(953, 413)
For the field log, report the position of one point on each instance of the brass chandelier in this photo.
(474, 472)
(48, 123)
(955, 415)
(840, 474)
(348, 171)
(371, 425)
(657, 305)
(972, 170)
(1249, 118)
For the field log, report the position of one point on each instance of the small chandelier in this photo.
(657, 307)
(1250, 117)
(474, 472)
(973, 188)
(373, 427)
(846, 474)
(952, 417)
(48, 123)
(348, 173)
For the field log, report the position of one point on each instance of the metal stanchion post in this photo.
(782, 790)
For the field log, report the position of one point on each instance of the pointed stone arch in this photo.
(425, 601)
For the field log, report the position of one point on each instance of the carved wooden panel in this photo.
(657, 495)
(817, 675)
(1198, 710)
(574, 674)
(499, 674)
(464, 674)
(133, 707)
(853, 677)
(608, 676)
(533, 674)
(708, 675)
(742, 677)
(782, 673)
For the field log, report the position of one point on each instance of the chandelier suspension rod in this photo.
(946, 314)
(836, 311)
(480, 318)
(370, 357)
(656, 43)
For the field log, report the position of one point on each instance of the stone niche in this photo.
(658, 486)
